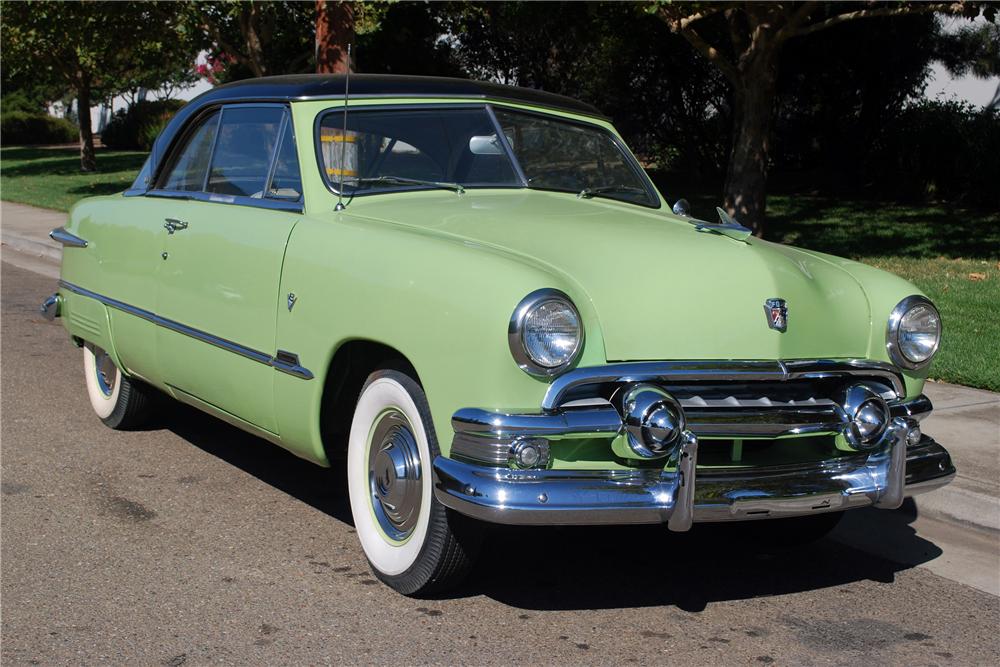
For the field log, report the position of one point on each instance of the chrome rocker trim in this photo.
(286, 362)
(675, 496)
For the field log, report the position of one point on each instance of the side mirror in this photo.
(682, 207)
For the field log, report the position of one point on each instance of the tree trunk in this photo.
(745, 192)
(88, 162)
(334, 31)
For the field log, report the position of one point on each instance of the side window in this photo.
(248, 137)
(188, 170)
(286, 183)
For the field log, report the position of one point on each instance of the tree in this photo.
(757, 34)
(96, 50)
(247, 38)
(334, 32)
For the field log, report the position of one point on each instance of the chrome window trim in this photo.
(507, 147)
(60, 235)
(515, 330)
(892, 332)
(283, 361)
(724, 371)
(230, 200)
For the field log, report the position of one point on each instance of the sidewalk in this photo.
(25, 231)
(966, 421)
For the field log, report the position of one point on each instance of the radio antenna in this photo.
(343, 137)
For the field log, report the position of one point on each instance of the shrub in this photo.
(20, 127)
(137, 127)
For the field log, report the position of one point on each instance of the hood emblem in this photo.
(777, 314)
(291, 300)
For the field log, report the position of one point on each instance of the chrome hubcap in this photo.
(105, 370)
(394, 475)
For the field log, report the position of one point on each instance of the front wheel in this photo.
(120, 402)
(412, 542)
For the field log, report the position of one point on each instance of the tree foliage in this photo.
(96, 50)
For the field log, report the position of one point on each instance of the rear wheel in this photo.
(412, 542)
(120, 402)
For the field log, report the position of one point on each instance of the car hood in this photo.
(659, 288)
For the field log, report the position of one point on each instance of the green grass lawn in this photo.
(952, 254)
(51, 177)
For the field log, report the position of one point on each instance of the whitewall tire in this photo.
(412, 542)
(119, 401)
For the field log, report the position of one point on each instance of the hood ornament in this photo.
(727, 225)
(777, 314)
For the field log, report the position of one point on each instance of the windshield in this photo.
(458, 148)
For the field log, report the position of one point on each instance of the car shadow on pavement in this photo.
(636, 566)
(601, 567)
(324, 489)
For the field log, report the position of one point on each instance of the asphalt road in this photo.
(193, 543)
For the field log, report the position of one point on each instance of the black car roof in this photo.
(294, 87)
(319, 86)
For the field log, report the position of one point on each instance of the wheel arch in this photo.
(349, 366)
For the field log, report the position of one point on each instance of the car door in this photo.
(221, 268)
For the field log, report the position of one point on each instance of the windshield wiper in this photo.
(587, 193)
(411, 181)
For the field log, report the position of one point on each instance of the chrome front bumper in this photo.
(569, 497)
(484, 477)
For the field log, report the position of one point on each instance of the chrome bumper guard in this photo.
(678, 497)
(51, 307)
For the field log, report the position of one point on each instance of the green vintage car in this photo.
(473, 298)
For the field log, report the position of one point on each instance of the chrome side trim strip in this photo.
(69, 240)
(285, 362)
(718, 371)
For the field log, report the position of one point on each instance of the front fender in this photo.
(443, 302)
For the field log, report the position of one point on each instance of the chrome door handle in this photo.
(172, 225)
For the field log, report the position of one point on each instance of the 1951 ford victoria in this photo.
(473, 298)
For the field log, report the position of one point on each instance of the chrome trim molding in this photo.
(515, 332)
(286, 362)
(892, 332)
(668, 372)
(584, 497)
(604, 421)
(60, 235)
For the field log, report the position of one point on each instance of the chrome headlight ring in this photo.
(519, 326)
(895, 328)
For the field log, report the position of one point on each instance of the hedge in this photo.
(20, 127)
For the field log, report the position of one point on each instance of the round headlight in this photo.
(545, 333)
(913, 333)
